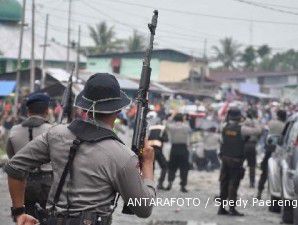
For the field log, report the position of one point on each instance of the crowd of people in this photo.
(203, 135)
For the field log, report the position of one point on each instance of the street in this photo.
(202, 185)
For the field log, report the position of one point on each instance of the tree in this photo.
(227, 53)
(104, 38)
(135, 42)
(263, 51)
(249, 57)
(283, 61)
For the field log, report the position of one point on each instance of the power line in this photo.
(206, 15)
(280, 6)
(267, 7)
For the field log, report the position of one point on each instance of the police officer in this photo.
(232, 156)
(250, 145)
(40, 178)
(90, 163)
(179, 134)
(157, 136)
(275, 127)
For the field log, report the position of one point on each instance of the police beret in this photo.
(38, 97)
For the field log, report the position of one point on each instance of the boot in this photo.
(252, 185)
(222, 211)
(160, 187)
(234, 212)
(183, 189)
(169, 187)
(259, 195)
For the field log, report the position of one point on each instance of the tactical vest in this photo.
(232, 141)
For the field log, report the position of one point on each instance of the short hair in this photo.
(178, 117)
(282, 115)
(38, 108)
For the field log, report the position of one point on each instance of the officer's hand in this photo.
(26, 219)
(148, 153)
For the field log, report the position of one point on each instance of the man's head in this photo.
(234, 114)
(38, 104)
(281, 115)
(102, 98)
(179, 117)
(252, 113)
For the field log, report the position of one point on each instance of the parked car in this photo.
(283, 170)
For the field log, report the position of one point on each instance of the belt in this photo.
(232, 159)
(85, 218)
(40, 172)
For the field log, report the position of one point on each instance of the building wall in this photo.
(173, 71)
(10, 65)
(130, 68)
(178, 71)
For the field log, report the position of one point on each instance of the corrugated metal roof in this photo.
(9, 45)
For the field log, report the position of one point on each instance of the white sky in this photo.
(181, 31)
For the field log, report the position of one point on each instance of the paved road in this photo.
(202, 185)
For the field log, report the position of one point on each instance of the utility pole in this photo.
(205, 49)
(19, 63)
(251, 32)
(68, 35)
(45, 45)
(32, 65)
(78, 54)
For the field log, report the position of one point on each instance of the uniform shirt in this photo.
(99, 171)
(253, 123)
(275, 127)
(19, 137)
(211, 141)
(179, 132)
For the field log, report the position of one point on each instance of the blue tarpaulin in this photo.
(6, 87)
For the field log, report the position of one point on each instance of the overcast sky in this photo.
(182, 25)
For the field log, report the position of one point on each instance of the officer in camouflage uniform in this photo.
(40, 178)
(232, 156)
(102, 165)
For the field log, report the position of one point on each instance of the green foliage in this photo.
(135, 42)
(249, 57)
(104, 38)
(264, 51)
(227, 53)
(261, 59)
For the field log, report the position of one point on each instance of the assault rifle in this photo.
(138, 139)
(67, 101)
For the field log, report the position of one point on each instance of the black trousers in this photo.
(37, 191)
(264, 167)
(179, 160)
(212, 159)
(162, 162)
(251, 157)
(231, 173)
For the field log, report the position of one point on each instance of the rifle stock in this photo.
(67, 101)
(139, 134)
